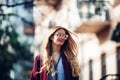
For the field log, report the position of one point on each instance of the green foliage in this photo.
(11, 51)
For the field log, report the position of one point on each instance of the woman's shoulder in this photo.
(39, 57)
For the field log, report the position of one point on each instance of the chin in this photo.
(60, 44)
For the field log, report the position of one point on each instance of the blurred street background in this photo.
(25, 23)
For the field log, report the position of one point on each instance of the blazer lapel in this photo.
(67, 68)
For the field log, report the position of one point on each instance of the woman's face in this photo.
(59, 37)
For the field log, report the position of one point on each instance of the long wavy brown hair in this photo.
(69, 48)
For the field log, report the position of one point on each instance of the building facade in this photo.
(100, 45)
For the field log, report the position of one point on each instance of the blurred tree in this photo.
(11, 50)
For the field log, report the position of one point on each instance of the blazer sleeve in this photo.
(35, 69)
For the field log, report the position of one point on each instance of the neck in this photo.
(56, 53)
(56, 49)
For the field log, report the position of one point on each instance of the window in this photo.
(116, 33)
(90, 70)
(103, 64)
(91, 9)
(118, 60)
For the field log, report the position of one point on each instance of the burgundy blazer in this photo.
(43, 75)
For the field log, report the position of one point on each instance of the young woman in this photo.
(59, 59)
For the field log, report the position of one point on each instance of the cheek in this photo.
(54, 40)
